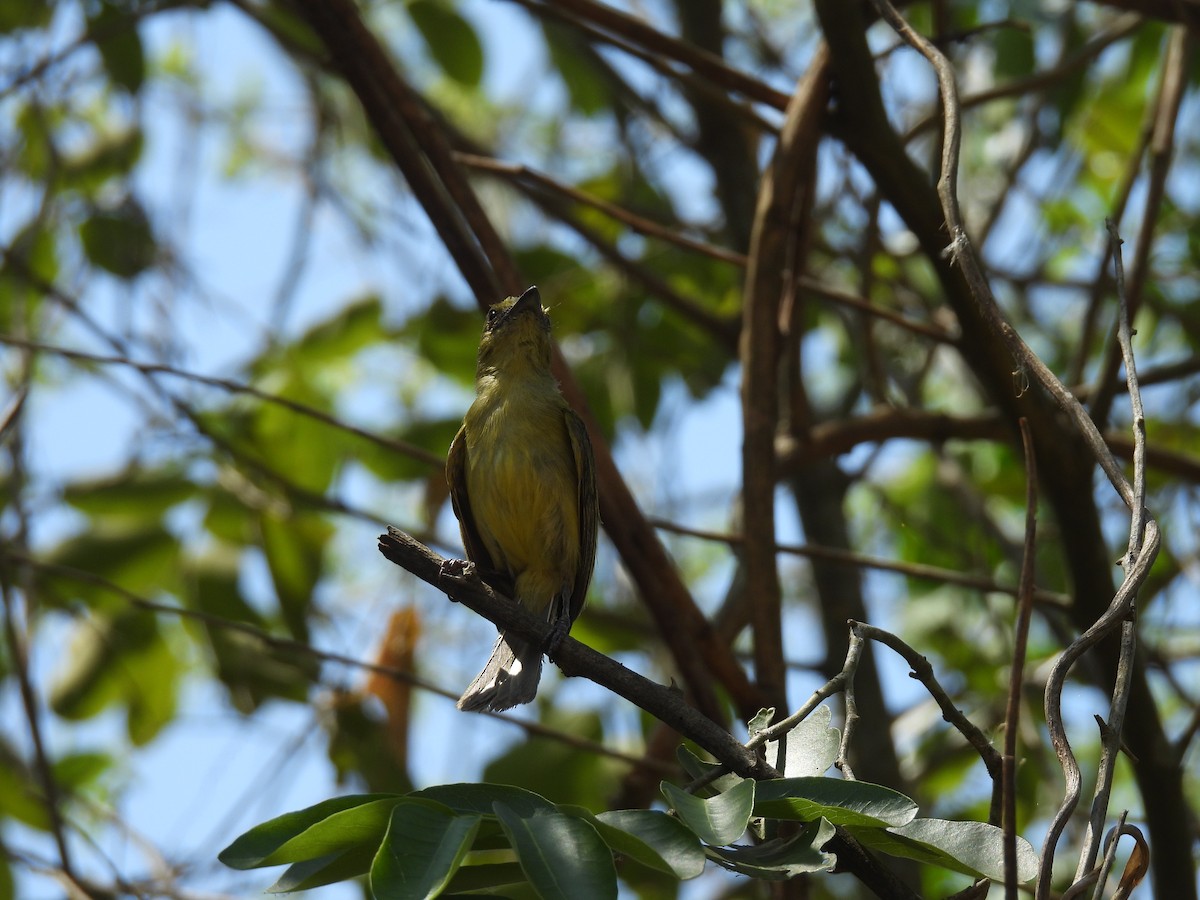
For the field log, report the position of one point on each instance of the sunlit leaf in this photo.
(716, 820)
(423, 848)
(841, 802)
(451, 40)
(562, 856)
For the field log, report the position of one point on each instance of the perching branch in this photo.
(574, 658)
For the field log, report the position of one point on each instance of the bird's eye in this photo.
(492, 315)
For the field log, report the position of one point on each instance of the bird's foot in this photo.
(454, 569)
(558, 632)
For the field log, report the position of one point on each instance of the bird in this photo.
(522, 477)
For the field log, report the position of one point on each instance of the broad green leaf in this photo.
(585, 83)
(115, 35)
(423, 848)
(480, 798)
(121, 658)
(716, 820)
(341, 865)
(653, 839)
(141, 557)
(138, 494)
(250, 667)
(780, 859)
(486, 878)
(119, 240)
(841, 802)
(452, 41)
(1014, 52)
(353, 327)
(262, 844)
(699, 768)
(760, 721)
(810, 748)
(295, 550)
(25, 14)
(972, 848)
(562, 856)
(447, 338)
(78, 770)
(19, 798)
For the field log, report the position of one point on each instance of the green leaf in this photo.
(295, 549)
(353, 327)
(780, 859)
(278, 840)
(140, 556)
(481, 798)
(120, 658)
(972, 848)
(452, 41)
(760, 721)
(341, 865)
(716, 820)
(562, 856)
(25, 14)
(841, 802)
(250, 667)
(810, 748)
(423, 848)
(485, 878)
(135, 494)
(1014, 52)
(699, 768)
(115, 35)
(119, 240)
(586, 85)
(654, 839)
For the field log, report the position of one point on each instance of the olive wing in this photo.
(589, 508)
(456, 477)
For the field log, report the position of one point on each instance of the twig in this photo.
(923, 672)
(640, 224)
(962, 251)
(1162, 143)
(1012, 713)
(849, 558)
(782, 194)
(293, 647)
(234, 387)
(698, 60)
(1136, 571)
(570, 655)
(1111, 735)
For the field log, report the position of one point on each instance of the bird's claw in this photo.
(558, 633)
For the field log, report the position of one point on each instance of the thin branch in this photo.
(962, 251)
(1016, 676)
(922, 671)
(783, 193)
(1135, 573)
(1162, 144)
(522, 173)
(574, 658)
(1111, 734)
(292, 647)
(846, 557)
(234, 387)
(700, 61)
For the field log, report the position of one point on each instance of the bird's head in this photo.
(516, 335)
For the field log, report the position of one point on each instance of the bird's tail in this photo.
(509, 679)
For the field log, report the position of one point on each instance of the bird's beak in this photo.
(530, 300)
